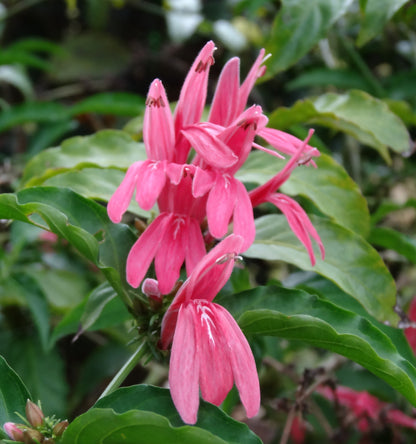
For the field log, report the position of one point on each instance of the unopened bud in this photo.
(150, 288)
(13, 431)
(31, 436)
(60, 428)
(34, 414)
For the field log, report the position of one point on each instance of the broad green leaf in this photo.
(377, 14)
(357, 113)
(387, 207)
(116, 104)
(39, 112)
(350, 262)
(158, 400)
(108, 148)
(95, 183)
(394, 240)
(329, 187)
(36, 45)
(298, 27)
(11, 56)
(295, 314)
(104, 426)
(13, 394)
(82, 222)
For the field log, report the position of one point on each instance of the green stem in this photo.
(125, 370)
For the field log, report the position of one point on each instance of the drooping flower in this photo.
(209, 351)
(297, 218)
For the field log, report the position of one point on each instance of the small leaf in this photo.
(16, 76)
(357, 113)
(13, 394)
(329, 187)
(350, 262)
(297, 315)
(108, 148)
(377, 14)
(158, 400)
(298, 27)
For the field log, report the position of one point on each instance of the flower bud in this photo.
(31, 436)
(150, 288)
(34, 414)
(13, 431)
(60, 428)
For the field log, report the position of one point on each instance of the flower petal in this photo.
(243, 218)
(171, 254)
(120, 200)
(215, 372)
(299, 222)
(158, 132)
(152, 179)
(144, 250)
(214, 152)
(242, 362)
(195, 245)
(184, 367)
(220, 205)
(225, 101)
(194, 90)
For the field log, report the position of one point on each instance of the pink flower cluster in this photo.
(190, 174)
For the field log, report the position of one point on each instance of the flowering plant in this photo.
(218, 263)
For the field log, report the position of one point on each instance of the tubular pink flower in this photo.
(13, 431)
(410, 332)
(209, 351)
(158, 130)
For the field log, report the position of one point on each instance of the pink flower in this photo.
(367, 408)
(209, 351)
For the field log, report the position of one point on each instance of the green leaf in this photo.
(82, 222)
(357, 113)
(113, 313)
(377, 14)
(13, 394)
(350, 262)
(38, 306)
(43, 373)
(297, 315)
(11, 56)
(39, 112)
(394, 240)
(95, 183)
(158, 400)
(36, 45)
(115, 103)
(329, 187)
(105, 149)
(101, 426)
(298, 27)
(322, 77)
